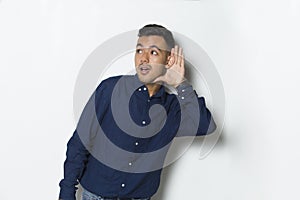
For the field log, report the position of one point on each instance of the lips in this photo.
(144, 69)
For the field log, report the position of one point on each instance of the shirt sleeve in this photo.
(73, 166)
(80, 143)
(196, 119)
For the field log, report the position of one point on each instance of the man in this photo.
(125, 131)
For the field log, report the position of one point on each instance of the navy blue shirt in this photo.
(123, 136)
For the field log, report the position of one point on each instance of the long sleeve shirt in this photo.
(123, 136)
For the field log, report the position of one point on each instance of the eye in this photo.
(139, 51)
(153, 52)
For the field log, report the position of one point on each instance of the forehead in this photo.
(152, 40)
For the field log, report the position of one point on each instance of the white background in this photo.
(254, 45)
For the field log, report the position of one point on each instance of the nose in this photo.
(144, 57)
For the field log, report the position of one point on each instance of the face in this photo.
(151, 58)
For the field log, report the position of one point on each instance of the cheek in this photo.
(137, 61)
(159, 69)
(158, 60)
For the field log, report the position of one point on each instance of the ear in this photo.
(170, 61)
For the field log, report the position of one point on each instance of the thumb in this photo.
(159, 79)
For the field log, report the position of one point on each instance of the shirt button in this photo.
(136, 143)
(130, 164)
(122, 185)
(140, 89)
(148, 100)
(182, 97)
(143, 122)
(183, 90)
(145, 88)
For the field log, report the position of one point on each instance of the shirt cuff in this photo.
(184, 90)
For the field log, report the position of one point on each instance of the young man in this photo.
(124, 133)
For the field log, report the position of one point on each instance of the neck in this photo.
(153, 88)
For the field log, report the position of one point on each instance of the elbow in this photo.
(211, 126)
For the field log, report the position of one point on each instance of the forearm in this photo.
(196, 118)
(74, 164)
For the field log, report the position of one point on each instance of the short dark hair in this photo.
(155, 29)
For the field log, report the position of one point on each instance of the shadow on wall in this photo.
(169, 170)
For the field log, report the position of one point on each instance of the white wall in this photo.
(253, 44)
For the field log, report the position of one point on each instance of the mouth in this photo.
(144, 69)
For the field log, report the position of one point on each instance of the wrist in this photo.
(182, 85)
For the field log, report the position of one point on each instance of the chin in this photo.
(144, 80)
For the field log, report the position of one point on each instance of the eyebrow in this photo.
(151, 46)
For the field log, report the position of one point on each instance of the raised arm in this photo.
(196, 119)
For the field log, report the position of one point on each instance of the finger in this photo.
(182, 69)
(159, 79)
(171, 59)
(180, 55)
(172, 51)
(182, 61)
(176, 54)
